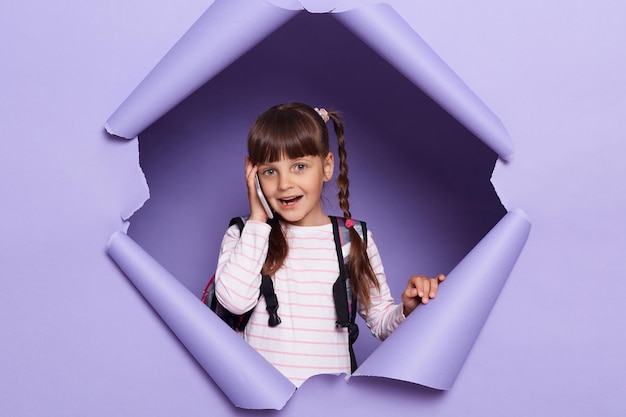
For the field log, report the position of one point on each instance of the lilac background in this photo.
(77, 339)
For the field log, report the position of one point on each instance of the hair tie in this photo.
(323, 114)
(349, 223)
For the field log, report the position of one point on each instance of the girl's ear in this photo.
(329, 166)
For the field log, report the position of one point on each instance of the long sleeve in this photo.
(383, 315)
(238, 275)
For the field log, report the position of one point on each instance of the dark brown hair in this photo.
(292, 131)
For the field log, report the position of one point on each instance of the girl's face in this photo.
(293, 187)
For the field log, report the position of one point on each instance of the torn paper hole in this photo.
(419, 177)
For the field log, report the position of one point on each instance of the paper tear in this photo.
(498, 169)
(197, 57)
(380, 26)
(132, 207)
(135, 191)
(123, 229)
(435, 341)
(373, 25)
(322, 6)
(241, 373)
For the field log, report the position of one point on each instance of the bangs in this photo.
(287, 133)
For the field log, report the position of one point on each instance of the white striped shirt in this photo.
(306, 342)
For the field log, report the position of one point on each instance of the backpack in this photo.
(345, 303)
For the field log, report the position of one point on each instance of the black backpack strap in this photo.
(341, 286)
(239, 221)
(271, 301)
(267, 286)
(345, 301)
(239, 321)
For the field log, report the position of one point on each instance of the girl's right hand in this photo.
(257, 212)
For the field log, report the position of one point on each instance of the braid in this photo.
(343, 183)
(277, 250)
(359, 267)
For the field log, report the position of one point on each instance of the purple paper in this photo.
(240, 371)
(79, 340)
(196, 58)
(392, 38)
(200, 54)
(434, 341)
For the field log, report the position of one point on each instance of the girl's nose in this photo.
(284, 182)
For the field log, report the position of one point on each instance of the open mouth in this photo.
(287, 202)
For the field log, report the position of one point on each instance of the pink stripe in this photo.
(329, 330)
(313, 355)
(309, 294)
(334, 271)
(251, 258)
(285, 316)
(252, 232)
(316, 368)
(304, 245)
(380, 295)
(297, 342)
(230, 292)
(234, 278)
(225, 291)
(323, 261)
(382, 316)
(320, 306)
(322, 238)
(255, 248)
(308, 282)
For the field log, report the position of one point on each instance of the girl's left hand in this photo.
(420, 289)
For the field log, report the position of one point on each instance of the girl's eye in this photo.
(299, 167)
(268, 172)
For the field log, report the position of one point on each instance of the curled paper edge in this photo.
(387, 33)
(197, 57)
(246, 378)
(435, 340)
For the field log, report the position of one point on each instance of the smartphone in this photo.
(259, 192)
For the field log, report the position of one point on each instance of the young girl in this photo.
(288, 148)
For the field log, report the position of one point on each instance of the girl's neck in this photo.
(321, 221)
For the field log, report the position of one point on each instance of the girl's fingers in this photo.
(420, 289)
(434, 286)
(250, 169)
(427, 290)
